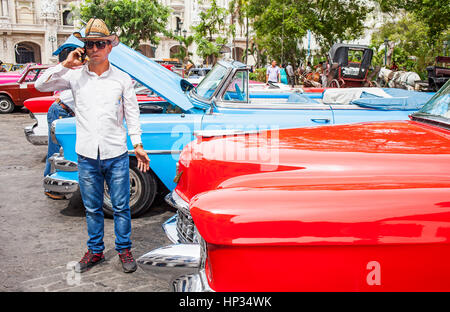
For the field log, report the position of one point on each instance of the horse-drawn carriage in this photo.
(349, 65)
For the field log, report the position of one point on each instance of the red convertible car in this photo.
(360, 207)
(13, 94)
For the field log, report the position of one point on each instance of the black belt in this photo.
(65, 107)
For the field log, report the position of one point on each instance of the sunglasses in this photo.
(99, 44)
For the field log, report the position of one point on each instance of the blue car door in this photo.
(164, 136)
(236, 109)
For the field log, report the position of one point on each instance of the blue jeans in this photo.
(92, 173)
(54, 112)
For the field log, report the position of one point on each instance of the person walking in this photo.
(290, 74)
(104, 96)
(273, 73)
(62, 107)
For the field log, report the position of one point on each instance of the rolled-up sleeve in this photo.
(54, 79)
(131, 109)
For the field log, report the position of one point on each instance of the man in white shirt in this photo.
(104, 96)
(273, 73)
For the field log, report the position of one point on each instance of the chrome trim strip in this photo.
(157, 152)
(174, 200)
(170, 228)
(223, 132)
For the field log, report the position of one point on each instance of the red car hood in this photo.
(343, 176)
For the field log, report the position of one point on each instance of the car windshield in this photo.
(438, 107)
(208, 85)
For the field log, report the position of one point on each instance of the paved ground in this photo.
(40, 237)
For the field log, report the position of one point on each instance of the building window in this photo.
(67, 17)
(27, 52)
(25, 12)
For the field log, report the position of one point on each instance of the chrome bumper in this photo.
(58, 162)
(60, 186)
(181, 264)
(36, 134)
(34, 138)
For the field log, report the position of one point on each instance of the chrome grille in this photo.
(185, 227)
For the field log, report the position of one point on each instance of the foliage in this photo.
(133, 20)
(210, 34)
(433, 13)
(411, 51)
(185, 43)
(258, 75)
(281, 25)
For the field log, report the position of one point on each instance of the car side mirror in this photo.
(186, 85)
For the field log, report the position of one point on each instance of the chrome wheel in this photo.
(6, 105)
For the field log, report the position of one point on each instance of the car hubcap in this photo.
(4, 105)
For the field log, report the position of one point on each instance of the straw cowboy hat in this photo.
(96, 29)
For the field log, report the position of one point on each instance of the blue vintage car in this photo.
(224, 102)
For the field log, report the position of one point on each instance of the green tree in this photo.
(185, 43)
(133, 20)
(435, 14)
(280, 25)
(411, 52)
(211, 33)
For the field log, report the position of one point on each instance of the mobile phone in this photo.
(83, 56)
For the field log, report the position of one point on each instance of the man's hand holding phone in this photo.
(75, 58)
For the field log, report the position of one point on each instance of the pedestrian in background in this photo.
(104, 96)
(273, 73)
(290, 74)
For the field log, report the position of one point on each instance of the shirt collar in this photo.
(105, 74)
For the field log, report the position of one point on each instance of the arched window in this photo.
(27, 52)
(67, 17)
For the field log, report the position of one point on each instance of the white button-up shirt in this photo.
(101, 103)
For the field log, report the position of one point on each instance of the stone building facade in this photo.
(31, 30)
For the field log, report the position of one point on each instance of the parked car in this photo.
(358, 207)
(14, 74)
(221, 101)
(13, 94)
(37, 132)
(196, 75)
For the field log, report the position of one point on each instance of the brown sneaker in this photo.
(88, 261)
(128, 262)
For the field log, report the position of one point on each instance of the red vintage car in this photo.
(13, 94)
(359, 207)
